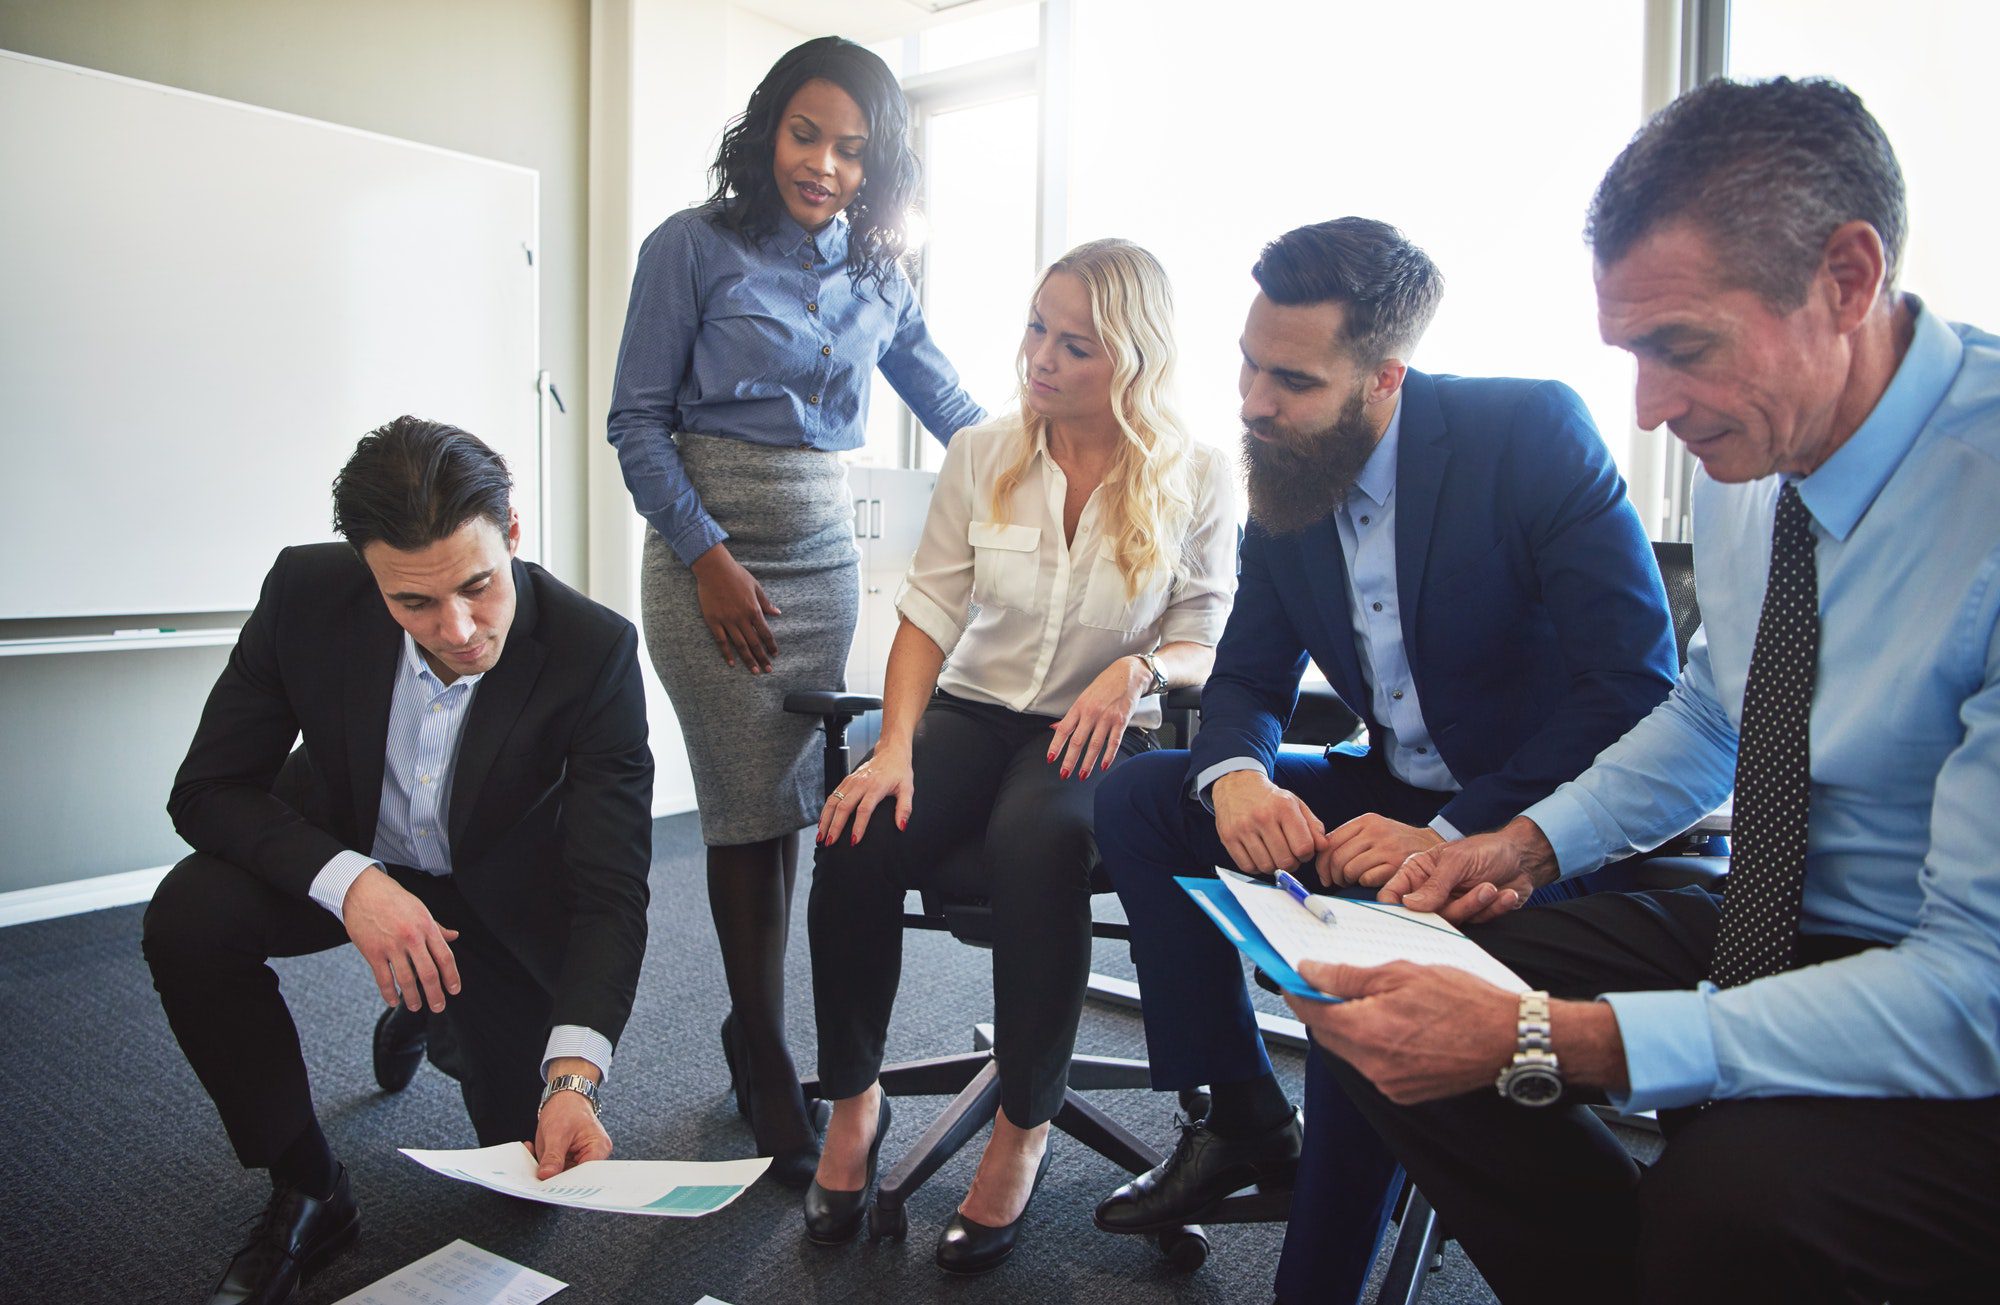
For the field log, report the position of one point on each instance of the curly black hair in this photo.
(746, 194)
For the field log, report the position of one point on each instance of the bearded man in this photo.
(1459, 558)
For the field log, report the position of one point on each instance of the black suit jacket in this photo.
(551, 803)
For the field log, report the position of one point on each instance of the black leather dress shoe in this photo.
(834, 1217)
(967, 1246)
(295, 1237)
(400, 1038)
(1204, 1168)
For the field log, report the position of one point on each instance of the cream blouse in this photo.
(1028, 623)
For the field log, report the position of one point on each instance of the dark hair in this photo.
(747, 194)
(1388, 287)
(413, 482)
(1766, 170)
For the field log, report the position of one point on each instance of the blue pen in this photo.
(1320, 910)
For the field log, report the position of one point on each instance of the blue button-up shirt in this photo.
(769, 342)
(1904, 820)
(1367, 525)
(426, 720)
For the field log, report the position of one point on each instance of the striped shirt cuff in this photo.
(330, 885)
(584, 1044)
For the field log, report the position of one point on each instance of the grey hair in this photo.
(1766, 170)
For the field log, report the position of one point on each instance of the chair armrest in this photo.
(830, 702)
(1185, 698)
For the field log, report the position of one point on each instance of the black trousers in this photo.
(1753, 1200)
(209, 932)
(983, 779)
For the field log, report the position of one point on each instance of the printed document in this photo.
(1363, 933)
(459, 1274)
(678, 1189)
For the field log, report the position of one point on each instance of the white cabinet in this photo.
(889, 508)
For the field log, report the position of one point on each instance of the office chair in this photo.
(955, 903)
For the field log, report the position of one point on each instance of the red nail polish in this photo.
(852, 839)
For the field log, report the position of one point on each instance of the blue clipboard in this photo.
(1227, 914)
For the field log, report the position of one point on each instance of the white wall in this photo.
(92, 740)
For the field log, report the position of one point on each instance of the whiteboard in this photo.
(204, 304)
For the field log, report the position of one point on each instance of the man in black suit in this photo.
(471, 808)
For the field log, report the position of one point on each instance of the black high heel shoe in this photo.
(833, 1218)
(967, 1246)
(790, 1166)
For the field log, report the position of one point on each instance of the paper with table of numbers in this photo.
(678, 1189)
(459, 1274)
(1363, 933)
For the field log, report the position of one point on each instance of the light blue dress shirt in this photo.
(1367, 525)
(1903, 841)
(771, 343)
(426, 719)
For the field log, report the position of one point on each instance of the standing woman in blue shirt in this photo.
(756, 323)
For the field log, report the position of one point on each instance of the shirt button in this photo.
(812, 398)
(826, 351)
(437, 706)
(807, 265)
(1376, 606)
(425, 833)
(1364, 521)
(812, 308)
(1397, 695)
(427, 778)
(1423, 752)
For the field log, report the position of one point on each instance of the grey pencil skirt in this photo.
(757, 768)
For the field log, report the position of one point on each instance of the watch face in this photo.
(1533, 1085)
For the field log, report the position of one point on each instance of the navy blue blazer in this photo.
(1533, 615)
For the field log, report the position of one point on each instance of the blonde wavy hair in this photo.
(1151, 480)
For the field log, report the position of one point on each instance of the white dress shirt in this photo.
(1027, 621)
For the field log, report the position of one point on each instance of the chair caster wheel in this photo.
(887, 1221)
(1186, 1248)
(1195, 1102)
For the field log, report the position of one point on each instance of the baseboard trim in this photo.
(26, 905)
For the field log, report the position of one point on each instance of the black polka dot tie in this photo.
(1760, 907)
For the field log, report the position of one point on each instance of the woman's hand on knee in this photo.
(1088, 735)
(875, 781)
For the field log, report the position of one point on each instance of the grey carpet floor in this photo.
(117, 1185)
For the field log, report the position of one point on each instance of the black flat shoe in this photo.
(832, 1218)
(1204, 1168)
(400, 1038)
(967, 1246)
(296, 1235)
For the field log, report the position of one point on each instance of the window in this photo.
(1203, 139)
(1921, 68)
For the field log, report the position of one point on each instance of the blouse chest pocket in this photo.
(1006, 564)
(1109, 605)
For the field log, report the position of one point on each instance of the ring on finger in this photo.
(839, 796)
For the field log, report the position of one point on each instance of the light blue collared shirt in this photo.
(1903, 836)
(426, 719)
(769, 342)
(1367, 525)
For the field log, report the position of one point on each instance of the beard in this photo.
(1303, 476)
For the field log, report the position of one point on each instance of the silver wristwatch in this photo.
(1159, 684)
(570, 1083)
(1532, 1078)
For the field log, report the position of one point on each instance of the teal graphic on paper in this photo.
(689, 1200)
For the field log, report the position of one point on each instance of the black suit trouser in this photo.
(1753, 1200)
(209, 933)
(982, 778)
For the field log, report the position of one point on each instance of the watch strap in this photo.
(577, 1083)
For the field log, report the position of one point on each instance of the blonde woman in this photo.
(1078, 559)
